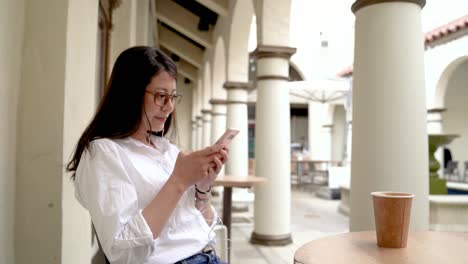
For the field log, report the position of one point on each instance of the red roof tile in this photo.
(445, 30)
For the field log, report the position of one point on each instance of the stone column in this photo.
(238, 162)
(327, 130)
(273, 147)
(434, 126)
(349, 142)
(218, 121)
(12, 15)
(57, 98)
(317, 115)
(194, 134)
(349, 125)
(206, 117)
(330, 190)
(390, 145)
(124, 31)
(195, 107)
(199, 131)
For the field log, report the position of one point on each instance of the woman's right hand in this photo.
(191, 167)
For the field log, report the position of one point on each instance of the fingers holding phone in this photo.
(222, 156)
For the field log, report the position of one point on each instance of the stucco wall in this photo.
(438, 64)
(11, 41)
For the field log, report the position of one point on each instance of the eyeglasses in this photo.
(162, 99)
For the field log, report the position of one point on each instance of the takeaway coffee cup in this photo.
(392, 213)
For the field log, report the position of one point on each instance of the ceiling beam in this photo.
(184, 68)
(187, 70)
(218, 6)
(180, 46)
(183, 21)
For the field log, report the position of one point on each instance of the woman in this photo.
(148, 201)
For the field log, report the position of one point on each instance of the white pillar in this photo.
(206, 117)
(124, 31)
(434, 126)
(143, 23)
(199, 132)
(218, 121)
(12, 20)
(272, 224)
(349, 142)
(349, 125)
(194, 134)
(57, 99)
(390, 145)
(316, 116)
(195, 131)
(327, 130)
(238, 162)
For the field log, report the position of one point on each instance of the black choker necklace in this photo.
(156, 133)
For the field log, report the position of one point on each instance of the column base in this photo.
(329, 193)
(270, 240)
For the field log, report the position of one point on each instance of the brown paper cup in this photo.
(392, 212)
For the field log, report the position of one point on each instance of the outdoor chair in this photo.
(221, 246)
(465, 172)
(452, 171)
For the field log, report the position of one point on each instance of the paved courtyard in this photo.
(311, 218)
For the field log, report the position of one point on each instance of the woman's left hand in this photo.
(219, 160)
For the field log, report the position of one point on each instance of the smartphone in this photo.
(227, 137)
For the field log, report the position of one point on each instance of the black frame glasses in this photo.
(161, 98)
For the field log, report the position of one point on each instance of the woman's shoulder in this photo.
(105, 146)
(165, 144)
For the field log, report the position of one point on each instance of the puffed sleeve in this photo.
(104, 186)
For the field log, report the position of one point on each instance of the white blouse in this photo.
(116, 180)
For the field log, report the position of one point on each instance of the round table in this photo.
(361, 247)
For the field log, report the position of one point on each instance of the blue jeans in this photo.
(202, 258)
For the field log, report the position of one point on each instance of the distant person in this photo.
(447, 157)
(148, 201)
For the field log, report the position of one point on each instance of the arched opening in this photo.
(455, 98)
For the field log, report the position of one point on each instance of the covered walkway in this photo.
(56, 56)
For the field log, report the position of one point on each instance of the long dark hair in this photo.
(121, 108)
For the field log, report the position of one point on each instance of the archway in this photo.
(453, 92)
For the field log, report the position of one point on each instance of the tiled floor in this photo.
(311, 218)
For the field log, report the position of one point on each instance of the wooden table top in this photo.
(309, 160)
(238, 181)
(361, 247)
